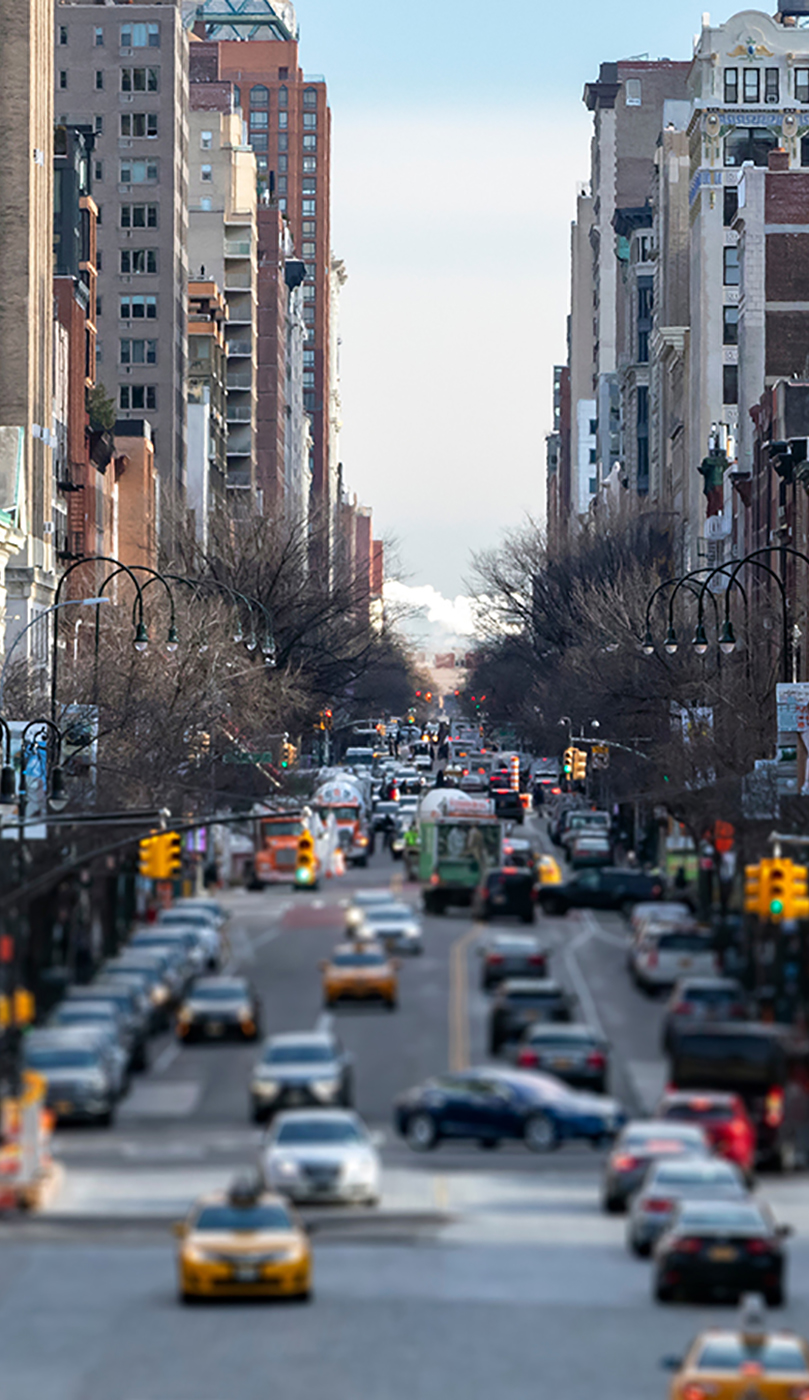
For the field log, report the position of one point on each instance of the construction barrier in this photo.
(27, 1171)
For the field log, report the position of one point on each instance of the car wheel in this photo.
(554, 907)
(663, 1293)
(541, 1133)
(640, 1248)
(187, 1300)
(422, 1133)
(786, 1159)
(529, 917)
(774, 1297)
(627, 908)
(306, 1297)
(614, 1205)
(489, 1144)
(106, 1120)
(140, 1062)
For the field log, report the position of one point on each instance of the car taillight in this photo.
(758, 1247)
(657, 1205)
(625, 1163)
(537, 960)
(657, 890)
(394, 797)
(529, 1059)
(774, 1108)
(494, 958)
(697, 1392)
(688, 1246)
(596, 1060)
(652, 960)
(682, 1008)
(799, 1392)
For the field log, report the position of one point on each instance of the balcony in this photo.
(237, 250)
(239, 347)
(239, 380)
(239, 413)
(236, 281)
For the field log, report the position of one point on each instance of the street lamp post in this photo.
(268, 646)
(141, 640)
(67, 603)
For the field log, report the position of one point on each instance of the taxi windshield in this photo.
(359, 960)
(243, 1218)
(773, 1354)
(218, 992)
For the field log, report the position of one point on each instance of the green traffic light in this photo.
(777, 906)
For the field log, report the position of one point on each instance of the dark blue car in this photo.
(490, 1104)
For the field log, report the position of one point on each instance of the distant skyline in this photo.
(460, 138)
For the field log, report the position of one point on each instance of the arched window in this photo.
(310, 97)
(259, 96)
(283, 97)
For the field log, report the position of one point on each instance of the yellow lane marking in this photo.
(459, 1001)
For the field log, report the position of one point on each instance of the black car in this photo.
(611, 887)
(576, 1054)
(518, 1003)
(491, 1105)
(310, 1070)
(217, 1007)
(507, 892)
(721, 1248)
(507, 803)
(505, 955)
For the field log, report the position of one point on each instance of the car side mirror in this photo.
(784, 1232)
(670, 1363)
(179, 1229)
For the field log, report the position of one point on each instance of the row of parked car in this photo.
(99, 1034)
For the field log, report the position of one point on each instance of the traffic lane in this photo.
(388, 1321)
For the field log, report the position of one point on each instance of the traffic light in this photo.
(19, 1009)
(579, 765)
(170, 861)
(148, 857)
(799, 892)
(776, 874)
(567, 763)
(289, 755)
(306, 867)
(753, 889)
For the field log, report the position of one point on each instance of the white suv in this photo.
(662, 956)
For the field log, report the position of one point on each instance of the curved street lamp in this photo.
(141, 638)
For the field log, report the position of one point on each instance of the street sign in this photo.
(793, 708)
(601, 755)
(248, 758)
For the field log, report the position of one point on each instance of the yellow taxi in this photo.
(360, 972)
(243, 1243)
(549, 871)
(749, 1364)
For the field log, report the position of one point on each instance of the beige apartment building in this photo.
(124, 71)
(26, 318)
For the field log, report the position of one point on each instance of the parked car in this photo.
(133, 1009)
(519, 1003)
(507, 892)
(492, 1105)
(576, 1054)
(666, 1184)
(639, 1145)
(611, 887)
(151, 973)
(207, 928)
(723, 1119)
(699, 999)
(310, 1069)
(590, 849)
(725, 1247)
(506, 955)
(76, 1065)
(663, 957)
(105, 1018)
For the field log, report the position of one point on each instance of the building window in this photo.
(63, 79)
(138, 308)
(309, 315)
(310, 120)
(206, 140)
(732, 271)
(633, 92)
(283, 97)
(750, 143)
(98, 37)
(139, 124)
(140, 36)
(138, 352)
(258, 140)
(139, 79)
(308, 379)
(309, 359)
(805, 150)
(308, 292)
(308, 207)
(99, 260)
(283, 142)
(99, 79)
(771, 85)
(643, 347)
(731, 204)
(283, 73)
(593, 457)
(99, 208)
(730, 384)
(98, 304)
(283, 164)
(751, 80)
(308, 228)
(283, 121)
(206, 173)
(99, 174)
(206, 204)
(98, 126)
(261, 163)
(310, 97)
(137, 396)
(309, 163)
(259, 120)
(310, 143)
(138, 216)
(138, 261)
(731, 85)
(730, 329)
(62, 34)
(309, 402)
(310, 185)
(282, 205)
(259, 96)
(309, 250)
(99, 354)
(282, 184)
(802, 84)
(642, 400)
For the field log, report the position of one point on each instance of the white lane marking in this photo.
(615, 940)
(324, 1023)
(176, 1099)
(578, 979)
(268, 937)
(166, 1058)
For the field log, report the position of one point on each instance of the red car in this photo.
(722, 1117)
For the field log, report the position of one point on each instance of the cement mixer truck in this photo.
(342, 796)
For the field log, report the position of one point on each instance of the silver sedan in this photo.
(322, 1156)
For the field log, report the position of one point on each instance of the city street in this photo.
(475, 1273)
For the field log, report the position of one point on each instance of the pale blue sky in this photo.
(459, 141)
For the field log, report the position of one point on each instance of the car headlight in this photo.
(96, 1082)
(412, 931)
(360, 1169)
(245, 1013)
(194, 1255)
(286, 1168)
(267, 1087)
(185, 1016)
(324, 1087)
(158, 995)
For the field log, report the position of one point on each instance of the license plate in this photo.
(64, 1107)
(215, 1028)
(684, 962)
(561, 1064)
(722, 1255)
(246, 1275)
